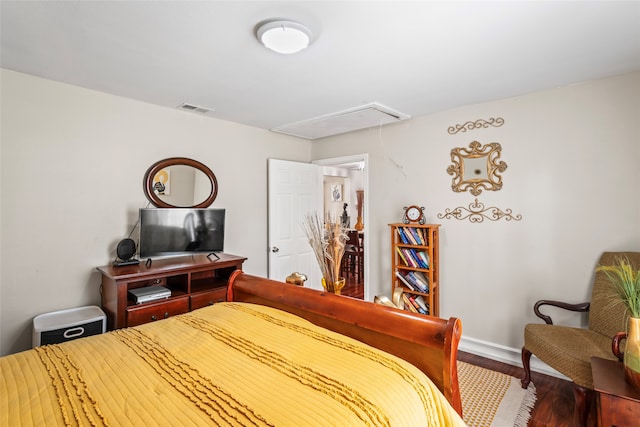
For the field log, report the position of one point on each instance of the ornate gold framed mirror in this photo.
(477, 168)
(179, 182)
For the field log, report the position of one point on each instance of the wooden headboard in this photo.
(429, 343)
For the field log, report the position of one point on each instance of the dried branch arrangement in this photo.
(327, 239)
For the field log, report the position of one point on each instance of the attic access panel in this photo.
(362, 117)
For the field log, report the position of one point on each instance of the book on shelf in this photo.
(424, 259)
(414, 285)
(418, 281)
(406, 257)
(424, 234)
(403, 238)
(417, 236)
(422, 279)
(416, 304)
(409, 234)
(413, 281)
(402, 256)
(421, 302)
(408, 305)
(405, 281)
(417, 259)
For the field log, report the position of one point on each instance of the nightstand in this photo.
(618, 402)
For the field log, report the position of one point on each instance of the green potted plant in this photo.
(627, 283)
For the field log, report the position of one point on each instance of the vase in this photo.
(632, 353)
(333, 287)
(359, 207)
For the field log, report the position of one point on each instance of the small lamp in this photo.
(284, 36)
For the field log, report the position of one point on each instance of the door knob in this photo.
(275, 249)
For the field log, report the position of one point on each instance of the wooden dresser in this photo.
(195, 281)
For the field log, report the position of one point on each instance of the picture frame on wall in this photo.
(336, 192)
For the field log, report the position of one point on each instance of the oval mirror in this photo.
(179, 182)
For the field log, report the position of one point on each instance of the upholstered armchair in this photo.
(568, 350)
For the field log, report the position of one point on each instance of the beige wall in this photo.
(73, 162)
(572, 156)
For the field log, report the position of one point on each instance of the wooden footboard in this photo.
(429, 343)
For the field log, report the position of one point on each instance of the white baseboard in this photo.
(505, 354)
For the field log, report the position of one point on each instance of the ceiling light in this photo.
(284, 36)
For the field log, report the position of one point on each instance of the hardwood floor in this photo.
(554, 396)
(353, 288)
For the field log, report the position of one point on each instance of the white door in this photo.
(294, 190)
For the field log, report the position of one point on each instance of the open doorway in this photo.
(343, 178)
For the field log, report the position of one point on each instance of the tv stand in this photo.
(195, 281)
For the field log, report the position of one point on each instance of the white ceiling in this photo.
(414, 57)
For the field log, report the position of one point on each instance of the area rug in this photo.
(493, 399)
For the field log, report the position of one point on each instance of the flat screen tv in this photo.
(179, 231)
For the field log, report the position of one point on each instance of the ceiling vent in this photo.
(362, 117)
(194, 108)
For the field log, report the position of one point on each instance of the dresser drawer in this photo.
(203, 299)
(137, 315)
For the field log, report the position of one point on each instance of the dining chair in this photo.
(353, 260)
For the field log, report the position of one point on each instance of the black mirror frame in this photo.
(158, 166)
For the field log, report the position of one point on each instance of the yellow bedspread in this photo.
(229, 364)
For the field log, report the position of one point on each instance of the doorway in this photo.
(358, 164)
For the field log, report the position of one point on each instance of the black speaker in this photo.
(125, 251)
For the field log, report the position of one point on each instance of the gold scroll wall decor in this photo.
(476, 168)
(478, 124)
(476, 212)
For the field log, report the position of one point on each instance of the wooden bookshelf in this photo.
(415, 260)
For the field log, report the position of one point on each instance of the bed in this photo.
(274, 354)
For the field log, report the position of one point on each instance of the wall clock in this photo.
(413, 213)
